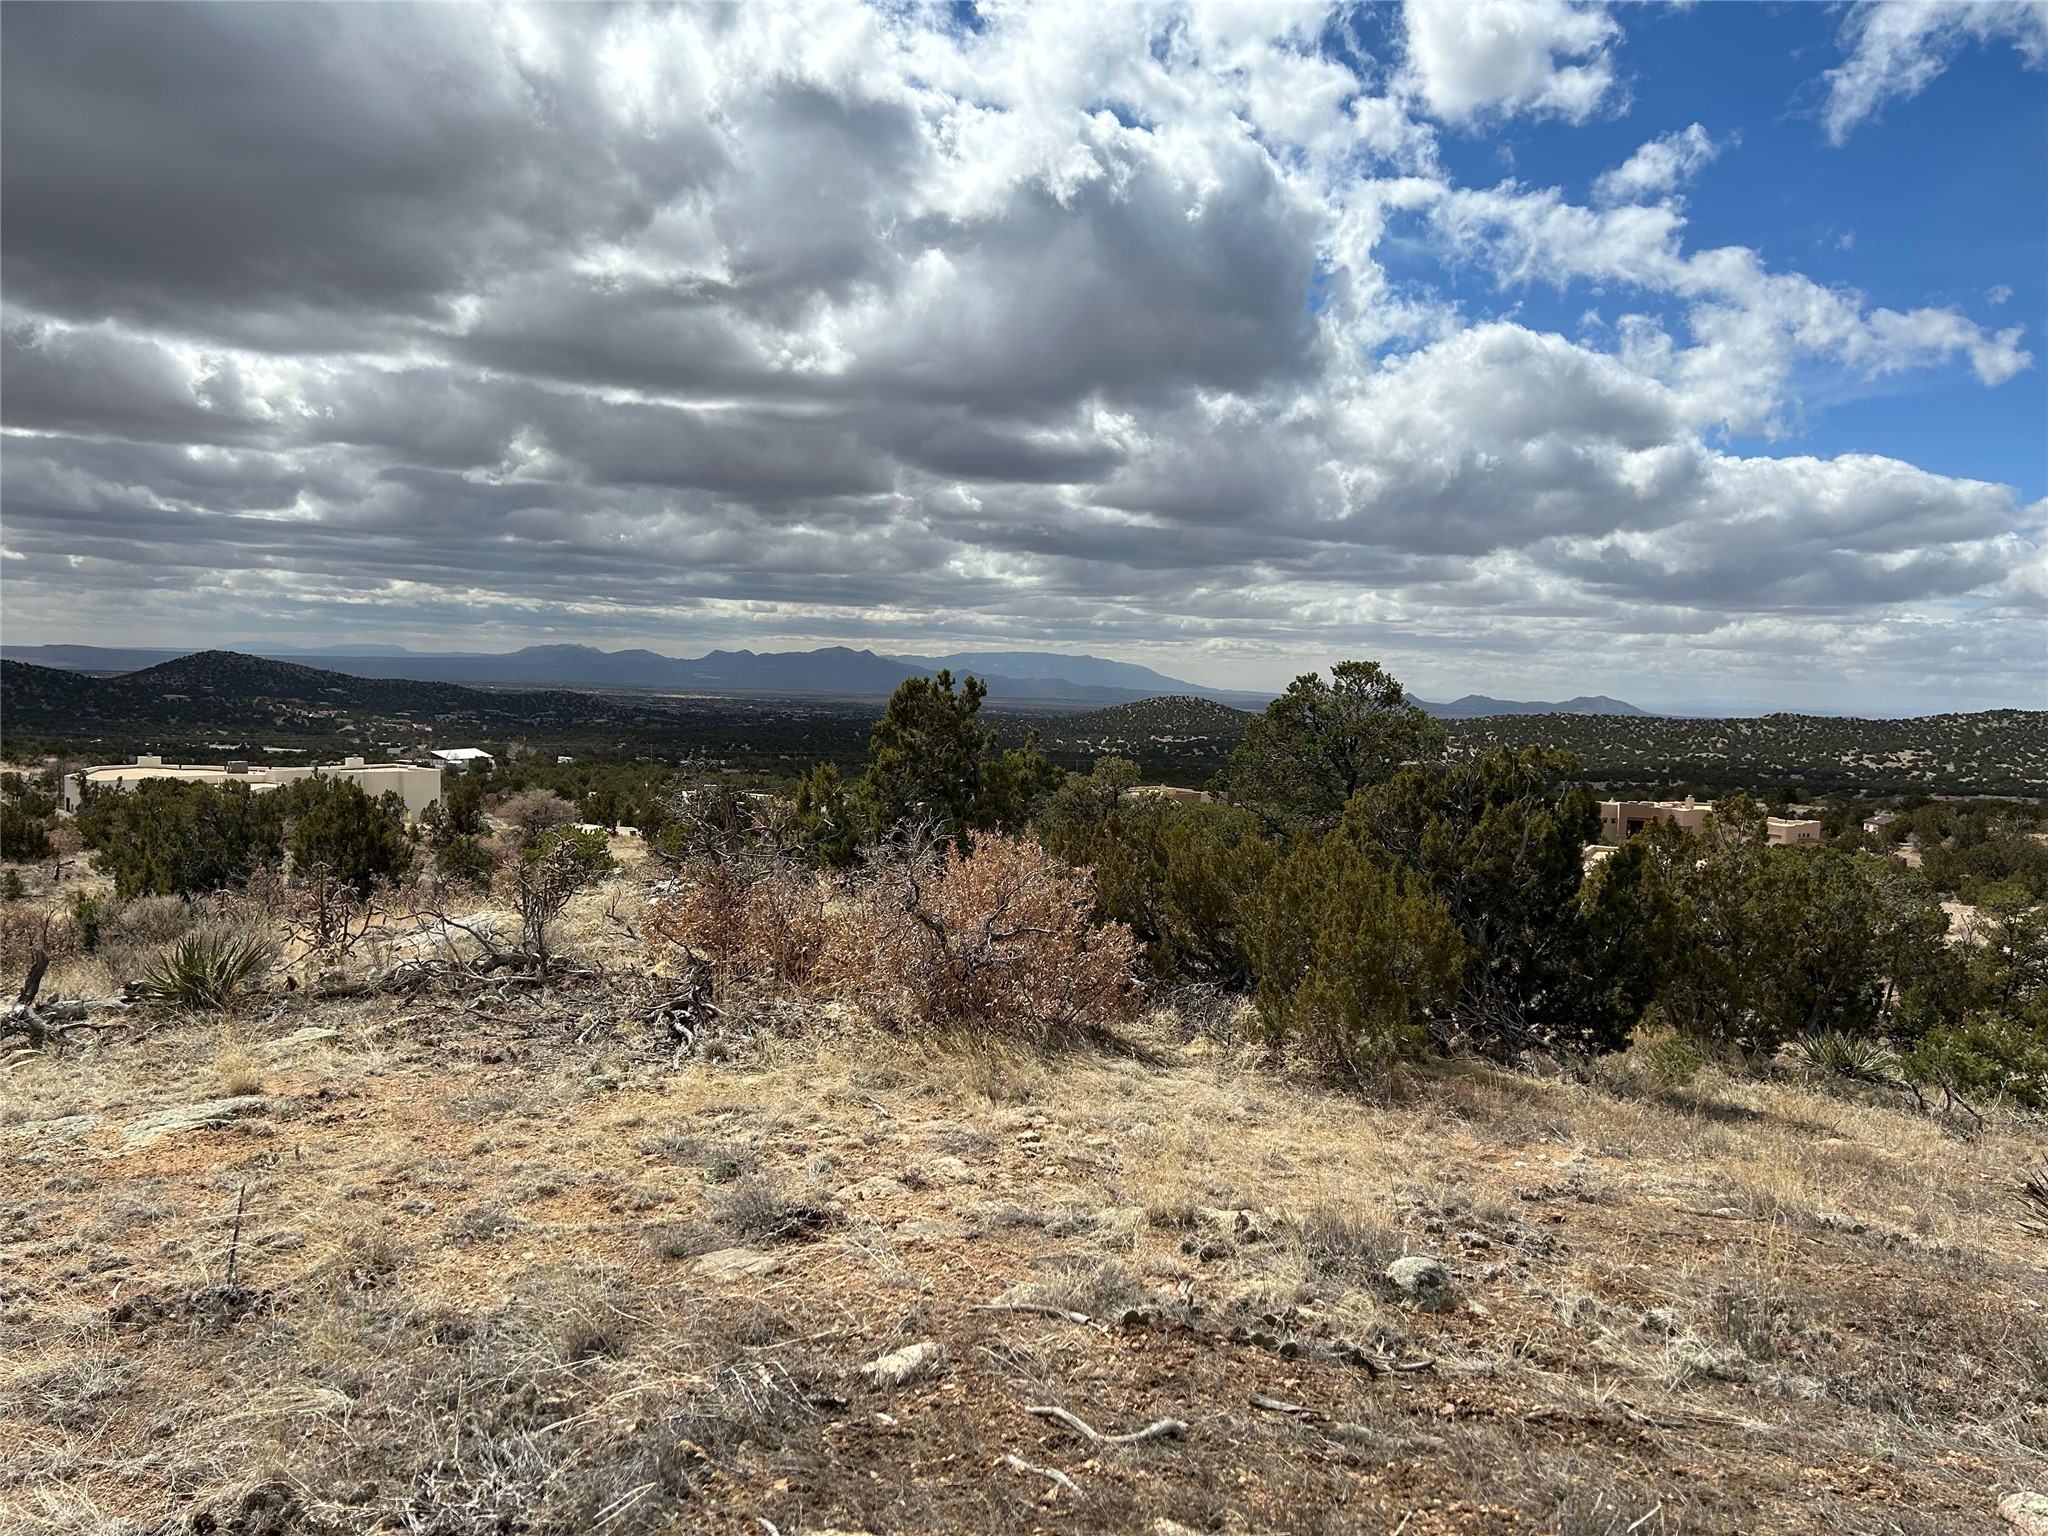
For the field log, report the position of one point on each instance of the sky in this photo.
(1696, 356)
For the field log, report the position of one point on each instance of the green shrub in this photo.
(360, 840)
(1179, 876)
(88, 919)
(466, 860)
(1985, 1056)
(590, 852)
(11, 888)
(23, 836)
(167, 838)
(1673, 1063)
(1354, 961)
(209, 971)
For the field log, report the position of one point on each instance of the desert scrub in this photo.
(999, 941)
(208, 972)
(1353, 960)
(763, 924)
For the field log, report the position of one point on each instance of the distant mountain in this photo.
(1013, 677)
(237, 691)
(1477, 706)
(1088, 671)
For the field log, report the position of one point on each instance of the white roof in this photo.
(459, 754)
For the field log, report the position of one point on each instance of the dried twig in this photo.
(1295, 1410)
(1054, 1473)
(1035, 1309)
(1164, 1429)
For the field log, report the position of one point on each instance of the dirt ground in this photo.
(450, 1267)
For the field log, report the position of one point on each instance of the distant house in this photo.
(1876, 824)
(417, 787)
(1792, 831)
(463, 759)
(1621, 820)
(1172, 792)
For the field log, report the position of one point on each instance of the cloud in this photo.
(1148, 330)
(1898, 50)
(1659, 167)
(1473, 58)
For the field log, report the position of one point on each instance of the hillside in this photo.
(1182, 738)
(1996, 752)
(227, 691)
(477, 1262)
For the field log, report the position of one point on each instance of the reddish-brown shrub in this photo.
(998, 941)
(757, 924)
(23, 931)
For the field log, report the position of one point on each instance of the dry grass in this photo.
(477, 1289)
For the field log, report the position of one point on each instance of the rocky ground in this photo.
(455, 1265)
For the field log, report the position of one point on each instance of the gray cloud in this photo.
(781, 326)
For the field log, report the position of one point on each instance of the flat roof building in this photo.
(461, 757)
(1621, 820)
(1792, 831)
(417, 787)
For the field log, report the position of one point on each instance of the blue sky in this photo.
(1694, 355)
(1941, 199)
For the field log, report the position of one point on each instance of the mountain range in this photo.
(1015, 678)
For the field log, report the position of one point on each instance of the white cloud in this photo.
(1659, 167)
(1899, 48)
(1470, 58)
(1751, 327)
(1086, 328)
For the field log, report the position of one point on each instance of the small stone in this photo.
(62, 1127)
(312, 1034)
(206, 1115)
(949, 1170)
(902, 1366)
(1421, 1280)
(736, 1264)
(2026, 1513)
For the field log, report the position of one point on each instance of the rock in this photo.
(949, 1170)
(312, 1034)
(1421, 1280)
(2026, 1513)
(206, 1115)
(902, 1366)
(1660, 1320)
(63, 1127)
(736, 1264)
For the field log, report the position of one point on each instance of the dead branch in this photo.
(1058, 1477)
(1293, 1410)
(33, 983)
(1164, 1429)
(1035, 1309)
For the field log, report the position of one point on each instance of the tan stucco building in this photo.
(1621, 820)
(417, 787)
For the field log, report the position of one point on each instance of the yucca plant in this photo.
(1830, 1053)
(208, 971)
